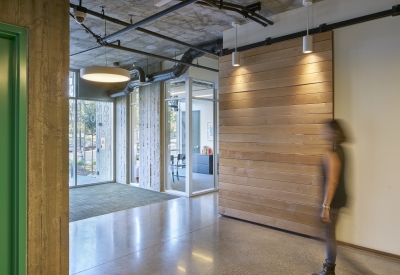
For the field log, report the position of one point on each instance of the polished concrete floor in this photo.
(187, 236)
(200, 182)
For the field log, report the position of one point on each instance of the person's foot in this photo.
(326, 270)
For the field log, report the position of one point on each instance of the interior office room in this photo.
(187, 137)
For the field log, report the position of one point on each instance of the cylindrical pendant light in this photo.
(308, 39)
(235, 54)
(105, 74)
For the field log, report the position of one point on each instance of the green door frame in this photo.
(19, 37)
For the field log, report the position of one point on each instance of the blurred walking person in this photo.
(334, 191)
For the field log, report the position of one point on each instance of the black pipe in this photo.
(86, 28)
(86, 50)
(189, 56)
(243, 8)
(244, 11)
(394, 11)
(238, 11)
(116, 21)
(145, 21)
(116, 41)
(159, 57)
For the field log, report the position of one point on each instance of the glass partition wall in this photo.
(90, 139)
(190, 140)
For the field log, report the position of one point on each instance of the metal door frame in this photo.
(19, 172)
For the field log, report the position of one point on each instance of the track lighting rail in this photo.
(394, 11)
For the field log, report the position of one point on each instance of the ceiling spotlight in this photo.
(236, 54)
(105, 74)
(308, 39)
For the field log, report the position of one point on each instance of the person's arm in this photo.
(332, 181)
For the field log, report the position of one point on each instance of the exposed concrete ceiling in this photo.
(193, 24)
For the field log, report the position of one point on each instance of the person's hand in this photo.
(325, 216)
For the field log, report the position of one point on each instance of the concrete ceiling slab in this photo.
(193, 24)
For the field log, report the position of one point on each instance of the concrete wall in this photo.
(122, 140)
(150, 131)
(367, 97)
(47, 167)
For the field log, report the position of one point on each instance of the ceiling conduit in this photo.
(177, 71)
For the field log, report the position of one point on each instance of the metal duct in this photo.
(177, 71)
(138, 77)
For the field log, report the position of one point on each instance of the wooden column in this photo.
(271, 110)
(47, 153)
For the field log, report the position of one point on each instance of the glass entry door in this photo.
(91, 140)
(190, 142)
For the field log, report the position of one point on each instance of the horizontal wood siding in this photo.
(271, 110)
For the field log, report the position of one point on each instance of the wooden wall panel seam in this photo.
(273, 222)
(323, 97)
(277, 83)
(278, 186)
(322, 66)
(277, 64)
(312, 88)
(321, 108)
(271, 203)
(290, 187)
(276, 213)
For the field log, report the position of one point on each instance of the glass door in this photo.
(175, 138)
(190, 108)
(91, 141)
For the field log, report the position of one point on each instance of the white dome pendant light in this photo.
(236, 54)
(105, 74)
(308, 39)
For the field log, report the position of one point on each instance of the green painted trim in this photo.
(19, 200)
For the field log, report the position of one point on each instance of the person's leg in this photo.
(328, 267)
(331, 244)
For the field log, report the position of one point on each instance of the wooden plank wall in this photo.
(271, 110)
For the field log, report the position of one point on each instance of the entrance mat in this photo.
(90, 201)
